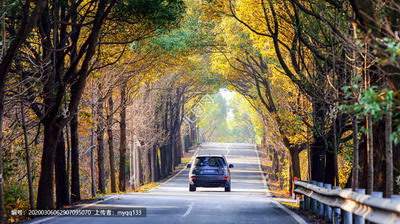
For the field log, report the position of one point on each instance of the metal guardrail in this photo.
(346, 206)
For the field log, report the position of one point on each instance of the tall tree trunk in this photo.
(179, 148)
(153, 163)
(322, 159)
(111, 142)
(169, 157)
(335, 152)
(146, 165)
(168, 121)
(163, 169)
(92, 174)
(356, 143)
(75, 182)
(51, 133)
(294, 154)
(370, 131)
(356, 160)
(138, 164)
(62, 191)
(275, 164)
(100, 146)
(27, 158)
(370, 155)
(157, 165)
(122, 141)
(388, 153)
(68, 160)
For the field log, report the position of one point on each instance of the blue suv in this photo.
(209, 171)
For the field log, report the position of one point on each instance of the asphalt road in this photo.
(171, 202)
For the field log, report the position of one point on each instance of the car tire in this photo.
(228, 188)
(192, 187)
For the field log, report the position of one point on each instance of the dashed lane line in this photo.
(189, 209)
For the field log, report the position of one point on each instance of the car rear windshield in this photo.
(212, 161)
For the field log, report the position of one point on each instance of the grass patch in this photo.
(294, 205)
(186, 160)
(147, 187)
(267, 163)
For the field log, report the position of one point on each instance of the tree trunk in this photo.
(100, 147)
(146, 164)
(356, 160)
(178, 148)
(62, 191)
(68, 160)
(388, 153)
(51, 133)
(140, 164)
(169, 157)
(157, 160)
(122, 142)
(335, 152)
(111, 143)
(294, 154)
(163, 169)
(92, 174)
(168, 127)
(370, 155)
(322, 159)
(275, 164)
(27, 158)
(153, 163)
(75, 181)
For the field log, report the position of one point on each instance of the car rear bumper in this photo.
(213, 181)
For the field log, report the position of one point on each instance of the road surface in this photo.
(171, 202)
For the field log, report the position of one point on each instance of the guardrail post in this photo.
(395, 198)
(301, 199)
(313, 201)
(377, 194)
(320, 204)
(336, 212)
(328, 209)
(306, 203)
(347, 216)
(359, 219)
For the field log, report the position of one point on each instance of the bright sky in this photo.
(228, 95)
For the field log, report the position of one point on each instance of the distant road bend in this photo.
(171, 202)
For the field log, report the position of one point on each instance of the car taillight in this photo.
(226, 177)
(193, 178)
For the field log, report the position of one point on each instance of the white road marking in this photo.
(169, 179)
(189, 209)
(264, 179)
(227, 149)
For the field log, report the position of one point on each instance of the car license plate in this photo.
(209, 171)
